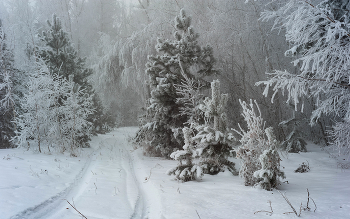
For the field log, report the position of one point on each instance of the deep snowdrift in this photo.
(113, 180)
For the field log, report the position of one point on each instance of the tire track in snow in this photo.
(148, 203)
(139, 211)
(42, 209)
(135, 193)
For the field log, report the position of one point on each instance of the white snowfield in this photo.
(112, 180)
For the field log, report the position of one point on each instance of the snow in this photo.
(113, 180)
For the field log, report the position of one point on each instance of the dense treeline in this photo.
(108, 53)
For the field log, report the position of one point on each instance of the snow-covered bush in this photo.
(319, 38)
(252, 143)
(303, 168)
(54, 113)
(258, 148)
(76, 108)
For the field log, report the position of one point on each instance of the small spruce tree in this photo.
(213, 138)
(187, 169)
(258, 152)
(207, 147)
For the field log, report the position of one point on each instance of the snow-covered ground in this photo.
(113, 180)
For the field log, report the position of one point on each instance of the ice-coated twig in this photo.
(285, 198)
(76, 209)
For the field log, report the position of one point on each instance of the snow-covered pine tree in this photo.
(207, 147)
(163, 113)
(258, 152)
(320, 40)
(213, 139)
(190, 97)
(61, 58)
(9, 91)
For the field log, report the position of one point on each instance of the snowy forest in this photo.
(177, 93)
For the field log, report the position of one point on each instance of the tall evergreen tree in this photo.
(60, 55)
(62, 59)
(161, 131)
(9, 91)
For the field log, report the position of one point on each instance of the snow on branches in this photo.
(258, 152)
(186, 170)
(207, 147)
(320, 41)
(54, 113)
(213, 139)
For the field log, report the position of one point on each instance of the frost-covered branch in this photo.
(320, 42)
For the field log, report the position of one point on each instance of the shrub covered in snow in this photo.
(258, 152)
(303, 168)
(253, 143)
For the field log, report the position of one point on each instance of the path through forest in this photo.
(107, 186)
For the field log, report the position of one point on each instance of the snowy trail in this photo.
(53, 202)
(116, 181)
(107, 187)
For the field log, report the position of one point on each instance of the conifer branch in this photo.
(320, 79)
(330, 19)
